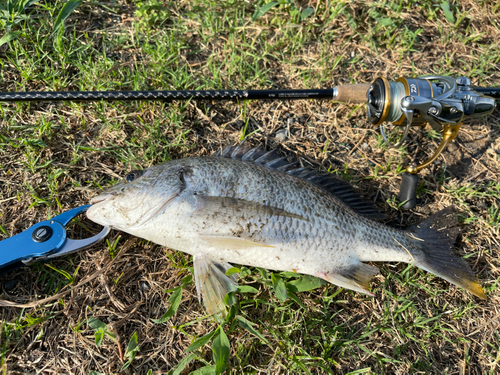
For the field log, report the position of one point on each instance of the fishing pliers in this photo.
(45, 240)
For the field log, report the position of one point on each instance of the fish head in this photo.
(139, 197)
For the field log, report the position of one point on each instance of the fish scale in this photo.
(241, 207)
(294, 198)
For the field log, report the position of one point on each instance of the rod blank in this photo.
(165, 95)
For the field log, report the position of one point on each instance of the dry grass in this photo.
(54, 156)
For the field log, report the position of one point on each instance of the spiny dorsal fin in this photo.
(271, 159)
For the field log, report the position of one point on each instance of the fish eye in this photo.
(133, 175)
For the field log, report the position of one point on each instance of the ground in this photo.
(57, 155)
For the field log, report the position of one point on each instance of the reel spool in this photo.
(442, 102)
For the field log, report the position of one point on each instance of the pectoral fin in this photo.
(239, 207)
(212, 282)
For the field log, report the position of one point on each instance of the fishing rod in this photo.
(442, 102)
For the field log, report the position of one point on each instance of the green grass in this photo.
(53, 156)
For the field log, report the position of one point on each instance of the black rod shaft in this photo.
(165, 95)
(494, 92)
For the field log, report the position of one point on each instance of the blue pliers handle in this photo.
(45, 240)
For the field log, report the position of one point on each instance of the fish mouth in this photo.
(102, 197)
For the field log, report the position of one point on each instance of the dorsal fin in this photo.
(335, 186)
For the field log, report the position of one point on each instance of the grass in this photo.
(54, 156)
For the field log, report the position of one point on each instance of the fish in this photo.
(251, 207)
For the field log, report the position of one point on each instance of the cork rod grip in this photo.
(355, 94)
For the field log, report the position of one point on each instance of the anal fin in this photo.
(357, 277)
(212, 282)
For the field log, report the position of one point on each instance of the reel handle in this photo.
(408, 190)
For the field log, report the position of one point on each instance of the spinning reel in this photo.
(442, 102)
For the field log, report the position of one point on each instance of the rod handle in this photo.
(355, 94)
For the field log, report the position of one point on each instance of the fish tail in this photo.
(433, 252)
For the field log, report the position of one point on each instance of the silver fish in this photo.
(250, 207)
